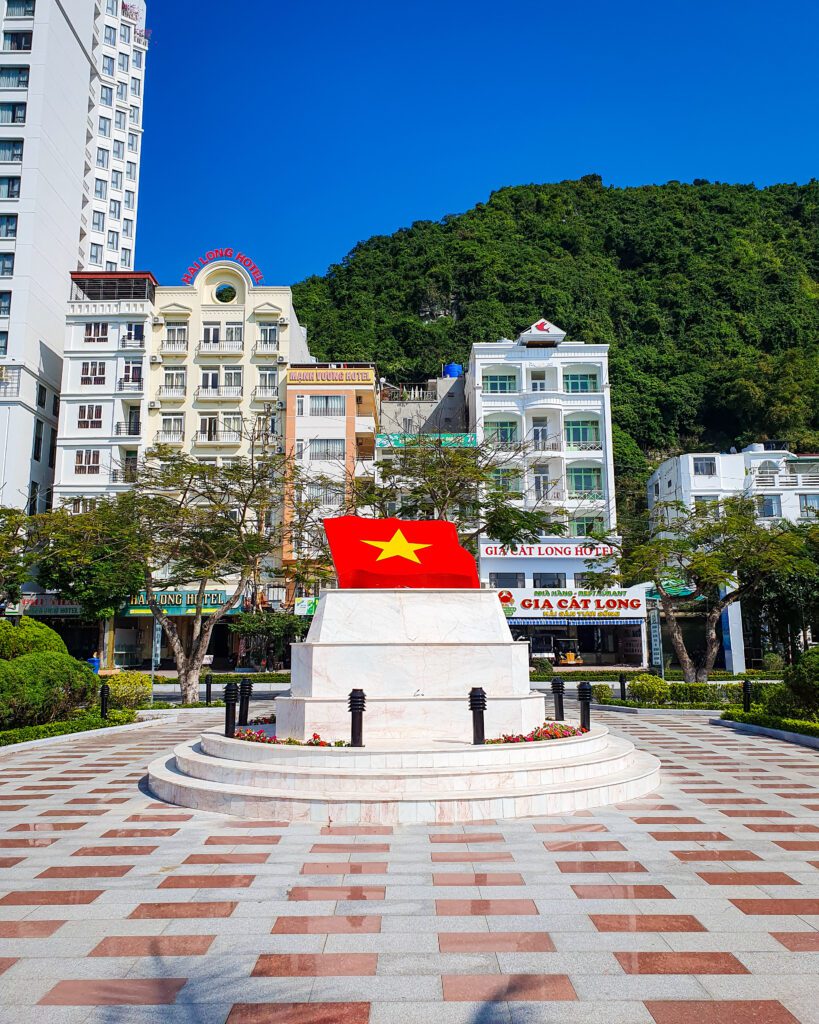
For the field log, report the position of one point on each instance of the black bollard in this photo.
(245, 693)
(746, 695)
(622, 686)
(477, 705)
(231, 695)
(357, 702)
(584, 695)
(208, 688)
(557, 690)
(105, 693)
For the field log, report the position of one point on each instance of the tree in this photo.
(268, 634)
(18, 549)
(707, 558)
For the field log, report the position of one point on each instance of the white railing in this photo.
(784, 481)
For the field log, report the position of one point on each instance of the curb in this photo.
(797, 738)
(48, 741)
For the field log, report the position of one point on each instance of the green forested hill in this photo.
(707, 293)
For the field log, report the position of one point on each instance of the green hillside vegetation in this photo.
(707, 293)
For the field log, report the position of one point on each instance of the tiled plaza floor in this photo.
(697, 904)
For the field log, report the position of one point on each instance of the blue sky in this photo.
(295, 129)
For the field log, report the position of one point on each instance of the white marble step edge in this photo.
(611, 759)
(168, 783)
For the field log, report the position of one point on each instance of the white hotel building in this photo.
(71, 93)
(551, 396)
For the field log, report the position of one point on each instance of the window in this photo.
(233, 332)
(11, 151)
(269, 334)
(136, 87)
(538, 380)
(120, 120)
(325, 449)
(95, 254)
(122, 92)
(37, 452)
(582, 434)
(92, 373)
(100, 188)
(173, 425)
(324, 494)
(106, 96)
(809, 506)
(656, 488)
(127, 228)
(584, 480)
(113, 239)
(52, 447)
(111, 7)
(42, 395)
(20, 9)
(55, 405)
(16, 41)
(108, 66)
(705, 467)
(133, 143)
(327, 405)
(116, 179)
(232, 377)
(549, 579)
(125, 33)
(507, 479)
(118, 149)
(98, 221)
(176, 331)
(136, 58)
(110, 36)
(89, 417)
(110, 266)
(499, 383)
(299, 453)
(574, 383)
(96, 331)
(5, 303)
(232, 424)
(585, 581)
(6, 264)
(769, 506)
(131, 171)
(9, 188)
(299, 405)
(133, 113)
(103, 157)
(8, 225)
(33, 497)
(502, 431)
(14, 78)
(132, 371)
(135, 332)
(507, 580)
(174, 380)
(87, 461)
(585, 526)
(122, 62)
(105, 127)
(125, 258)
(12, 113)
(4, 342)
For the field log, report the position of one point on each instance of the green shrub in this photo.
(602, 693)
(53, 685)
(29, 636)
(79, 723)
(222, 678)
(648, 689)
(773, 662)
(129, 689)
(802, 679)
(13, 702)
(767, 721)
(543, 668)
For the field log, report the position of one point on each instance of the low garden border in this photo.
(798, 738)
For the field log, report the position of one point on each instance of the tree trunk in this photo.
(675, 632)
(711, 642)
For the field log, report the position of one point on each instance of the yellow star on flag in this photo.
(397, 547)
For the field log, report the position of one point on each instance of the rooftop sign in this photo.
(222, 254)
(327, 375)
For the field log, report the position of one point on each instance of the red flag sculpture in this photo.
(399, 553)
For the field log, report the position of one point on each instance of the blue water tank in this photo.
(453, 370)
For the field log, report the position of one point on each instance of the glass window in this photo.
(42, 395)
(103, 157)
(234, 331)
(108, 66)
(14, 78)
(325, 449)
(89, 417)
(176, 331)
(328, 405)
(8, 225)
(37, 451)
(33, 497)
(502, 431)
(87, 462)
(233, 377)
(133, 144)
(701, 500)
(705, 467)
(113, 239)
(585, 480)
(96, 331)
(135, 332)
(809, 505)
(269, 333)
(9, 188)
(585, 526)
(11, 151)
(20, 9)
(127, 228)
(136, 87)
(129, 200)
(95, 254)
(12, 113)
(499, 383)
(549, 579)
(120, 120)
(123, 62)
(769, 506)
(134, 114)
(136, 58)
(115, 209)
(116, 179)
(575, 383)
(16, 41)
(118, 149)
(106, 96)
(582, 434)
(299, 405)
(131, 171)
(4, 342)
(109, 36)
(52, 447)
(125, 258)
(5, 303)
(98, 221)
(6, 264)
(125, 33)
(111, 7)
(110, 266)
(92, 372)
(507, 580)
(100, 188)
(122, 92)
(507, 479)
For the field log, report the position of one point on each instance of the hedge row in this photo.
(82, 723)
(45, 687)
(608, 676)
(222, 678)
(772, 722)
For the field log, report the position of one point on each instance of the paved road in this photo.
(698, 904)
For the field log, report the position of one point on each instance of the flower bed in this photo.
(547, 731)
(260, 736)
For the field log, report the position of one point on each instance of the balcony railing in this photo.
(543, 445)
(219, 393)
(128, 429)
(138, 343)
(785, 481)
(130, 385)
(169, 437)
(219, 348)
(218, 437)
(266, 348)
(575, 495)
(263, 392)
(123, 476)
(169, 391)
(171, 346)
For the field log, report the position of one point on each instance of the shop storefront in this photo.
(80, 636)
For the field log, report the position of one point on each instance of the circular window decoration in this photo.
(225, 293)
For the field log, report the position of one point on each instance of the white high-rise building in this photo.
(69, 175)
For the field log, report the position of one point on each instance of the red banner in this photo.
(376, 553)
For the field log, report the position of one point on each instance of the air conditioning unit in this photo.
(154, 405)
(280, 405)
(283, 321)
(280, 449)
(280, 359)
(157, 320)
(155, 359)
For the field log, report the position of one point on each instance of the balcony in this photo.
(128, 429)
(784, 481)
(124, 476)
(224, 393)
(266, 348)
(264, 392)
(218, 437)
(171, 392)
(220, 348)
(584, 446)
(174, 346)
(133, 386)
(542, 445)
(137, 343)
(169, 437)
(587, 495)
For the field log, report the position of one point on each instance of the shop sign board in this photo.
(222, 253)
(551, 549)
(305, 605)
(44, 605)
(179, 602)
(332, 375)
(445, 440)
(567, 604)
